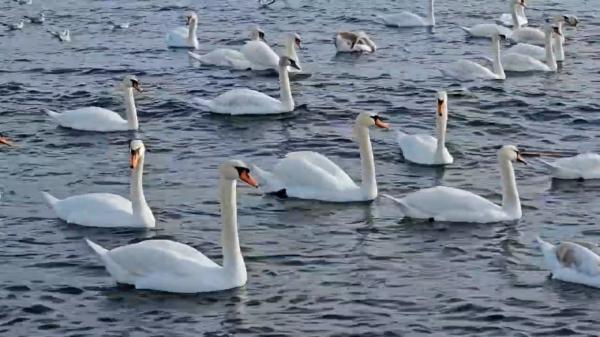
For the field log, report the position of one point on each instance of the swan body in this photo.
(310, 175)
(538, 53)
(251, 102)
(100, 119)
(408, 19)
(455, 205)
(262, 57)
(184, 37)
(486, 30)
(582, 166)
(571, 262)
(350, 42)
(520, 62)
(466, 70)
(426, 149)
(109, 210)
(170, 266)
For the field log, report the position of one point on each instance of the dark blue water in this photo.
(314, 269)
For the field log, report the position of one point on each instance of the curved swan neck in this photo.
(557, 46)
(132, 120)
(285, 92)
(368, 185)
(138, 200)
(192, 31)
(430, 15)
(232, 255)
(550, 60)
(498, 69)
(441, 124)
(511, 203)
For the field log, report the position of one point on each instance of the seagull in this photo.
(39, 20)
(14, 26)
(64, 36)
(115, 26)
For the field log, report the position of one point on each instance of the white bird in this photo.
(39, 20)
(310, 175)
(581, 166)
(506, 19)
(443, 203)
(425, 149)
(262, 57)
(522, 62)
(14, 26)
(571, 262)
(408, 19)
(100, 119)
(251, 102)
(351, 42)
(106, 209)
(226, 57)
(114, 26)
(526, 34)
(171, 266)
(64, 36)
(465, 70)
(185, 37)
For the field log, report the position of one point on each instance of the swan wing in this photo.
(528, 35)
(571, 262)
(178, 37)
(418, 148)
(220, 57)
(246, 102)
(260, 55)
(92, 119)
(536, 52)
(468, 70)
(585, 165)
(520, 62)
(95, 210)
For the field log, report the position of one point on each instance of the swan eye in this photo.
(261, 34)
(376, 118)
(298, 41)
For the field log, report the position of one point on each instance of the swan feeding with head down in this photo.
(107, 209)
(184, 37)
(522, 62)
(426, 149)
(251, 102)
(171, 266)
(99, 119)
(443, 203)
(465, 70)
(408, 19)
(350, 42)
(571, 262)
(310, 175)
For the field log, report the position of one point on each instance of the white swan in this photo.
(581, 166)
(537, 52)
(171, 266)
(350, 42)
(226, 57)
(251, 102)
(408, 19)
(106, 209)
(571, 262)
(5, 141)
(506, 19)
(425, 149)
(100, 119)
(468, 70)
(183, 37)
(310, 175)
(443, 203)
(521, 62)
(486, 30)
(262, 57)
(64, 36)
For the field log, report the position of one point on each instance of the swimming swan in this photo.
(506, 19)
(521, 62)
(443, 203)
(175, 267)
(350, 42)
(251, 102)
(106, 209)
(571, 262)
(310, 175)
(581, 166)
(262, 57)
(99, 119)
(183, 37)
(468, 70)
(425, 149)
(408, 19)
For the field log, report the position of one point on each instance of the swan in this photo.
(443, 203)
(99, 119)
(262, 57)
(571, 262)
(350, 42)
(537, 52)
(581, 166)
(171, 266)
(106, 209)
(522, 62)
(310, 175)
(226, 57)
(5, 141)
(469, 70)
(425, 149)
(506, 19)
(14, 26)
(292, 42)
(408, 19)
(251, 102)
(183, 37)
(64, 36)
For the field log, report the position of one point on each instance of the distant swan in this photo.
(465, 70)
(506, 19)
(183, 37)
(350, 42)
(571, 262)
(408, 19)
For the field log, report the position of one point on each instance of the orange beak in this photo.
(521, 160)
(5, 141)
(247, 178)
(381, 124)
(298, 42)
(134, 159)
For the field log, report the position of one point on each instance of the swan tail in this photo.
(50, 199)
(195, 56)
(101, 251)
(202, 102)
(465, 29)
(267, 181)
(51, 113)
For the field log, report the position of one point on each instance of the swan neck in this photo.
(430, 15)
(138, 200)
(132, 120)
(290, 50)
(514, 15)
(367, 162)
(441, 123)
(498, 69)
(550, 59)
(511, 203)
(285, 92)
(232, 255)
(557, 46)
(192, 31)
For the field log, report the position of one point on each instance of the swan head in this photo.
(442, 104)
(368, 119)
(5, 141)
(131, 81)
(256, 33)
(570, 20)
(138, 150)
(191, 18)
(285, 61)
(520, 3)
(295, 39)
(234, 169)
(511, 153)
